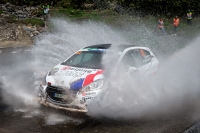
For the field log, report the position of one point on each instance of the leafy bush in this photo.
(64, 3)
(33, 21)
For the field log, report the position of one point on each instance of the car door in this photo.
(144, 60)
(128, 66)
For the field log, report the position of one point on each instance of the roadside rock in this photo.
(2, 21)
(13, 35)
(21, 12)
(18, 35)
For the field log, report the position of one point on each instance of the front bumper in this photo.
(78, 104)
(48, 104)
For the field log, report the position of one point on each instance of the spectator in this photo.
(161, 26)
(175, 24)
(189, 18)
(46, 15)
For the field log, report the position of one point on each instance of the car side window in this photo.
(138, 57)
(147, 56)
(146, 53)
(142, 57)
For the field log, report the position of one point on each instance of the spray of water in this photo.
(67, 37)
(20, 83)
(53, 119)
(171, 90)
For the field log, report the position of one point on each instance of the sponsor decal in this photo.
(84, 99)
(88, 93)
(91, 93)
(66, 68)
(87, 98)
(81, 69)
(90, 77)
(83, 94)
(71, 73)
(77, 84)
(78, 52)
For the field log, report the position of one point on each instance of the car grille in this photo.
(61, 95)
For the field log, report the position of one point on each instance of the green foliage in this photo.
(64, 3)
(82, 14)
(32, 21)
(161, 7)
(70, 12)
(168, 8)
(77, 4)
(11, 19)
(151, 10)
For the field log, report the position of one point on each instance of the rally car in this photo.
(72, 84)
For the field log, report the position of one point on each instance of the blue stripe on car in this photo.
(77, 85)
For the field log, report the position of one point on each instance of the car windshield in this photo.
(86, 59)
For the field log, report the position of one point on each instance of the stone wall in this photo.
(17, 35)
(21, 12)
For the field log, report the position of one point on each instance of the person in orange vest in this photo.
(176, 21)
(161, 26)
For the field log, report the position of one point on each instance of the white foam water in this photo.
(68, 36)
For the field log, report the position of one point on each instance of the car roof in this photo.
(99, 46)
(125, 46)
(121, 47)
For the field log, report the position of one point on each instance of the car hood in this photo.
(73, 78)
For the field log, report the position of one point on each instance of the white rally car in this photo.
(73, 83)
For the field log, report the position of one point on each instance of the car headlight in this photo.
(93, 86)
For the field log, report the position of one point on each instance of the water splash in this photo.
(171, 90)
(53, 119)
(24, 75)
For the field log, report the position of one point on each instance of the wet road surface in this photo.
(16, 121)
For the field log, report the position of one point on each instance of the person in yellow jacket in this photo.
(189, 18)
(176, 21)
(46, 14)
